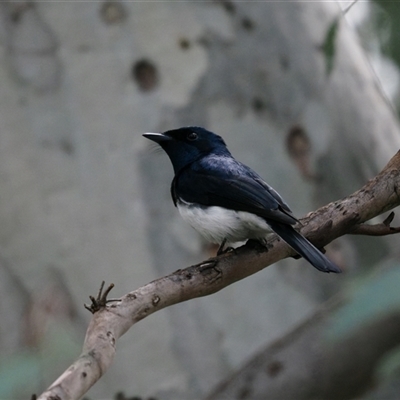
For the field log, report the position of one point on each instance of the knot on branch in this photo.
(101, 300)
(209, 271)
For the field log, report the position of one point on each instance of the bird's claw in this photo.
(224, 251)
(221, 249)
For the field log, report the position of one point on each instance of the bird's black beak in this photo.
(157, 137)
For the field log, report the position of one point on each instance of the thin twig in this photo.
(381, 229)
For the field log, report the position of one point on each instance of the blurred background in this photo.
(306, 93)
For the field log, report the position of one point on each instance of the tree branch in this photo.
(379, 195)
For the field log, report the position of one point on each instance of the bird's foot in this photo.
(224, 251)
(221, 249)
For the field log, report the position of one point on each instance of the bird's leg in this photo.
(221, 248)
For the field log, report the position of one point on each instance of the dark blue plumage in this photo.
(223, 199)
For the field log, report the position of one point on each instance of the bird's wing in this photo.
(237, 192)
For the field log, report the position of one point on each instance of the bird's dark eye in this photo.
(191, 136)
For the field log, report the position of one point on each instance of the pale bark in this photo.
(322, 226)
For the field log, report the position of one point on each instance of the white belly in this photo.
(216, 223)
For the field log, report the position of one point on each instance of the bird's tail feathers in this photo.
(306, 249)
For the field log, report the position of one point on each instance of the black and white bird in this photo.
(225, 200)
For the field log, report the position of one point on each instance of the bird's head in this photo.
(188, 144)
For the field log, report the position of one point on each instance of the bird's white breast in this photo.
(217, 223)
